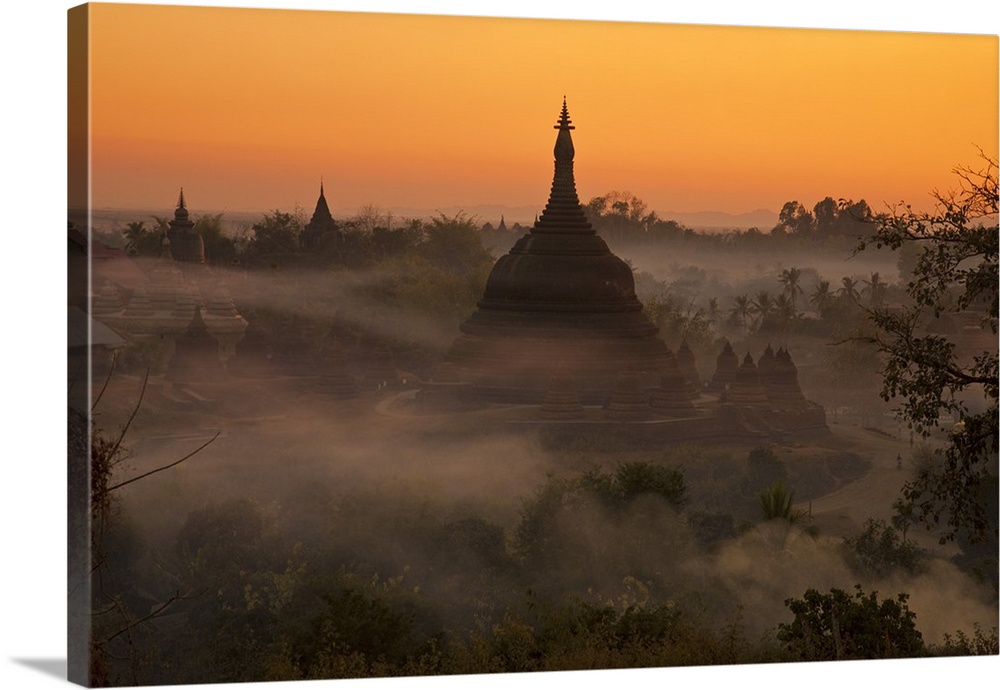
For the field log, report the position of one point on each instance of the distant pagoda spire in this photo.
(186, 244)
(181, 212)
(322, 216)
(321, 222)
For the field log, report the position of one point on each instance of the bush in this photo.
(838, 626)
(879, 550)
(763, 469)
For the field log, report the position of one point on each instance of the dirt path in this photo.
(843, 512)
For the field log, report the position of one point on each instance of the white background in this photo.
(33, 197)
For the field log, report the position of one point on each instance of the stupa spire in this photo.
(563, 212)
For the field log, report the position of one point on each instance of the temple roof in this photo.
(321, 216)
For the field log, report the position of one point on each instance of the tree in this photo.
(781, 517)
(143, 241)
(784, 309)
(822, 297)
(276, 233)
(369, 217)
(741, 311)
(848, 290)
(455, 245)
(879, 550)
(795, 219)
(220, 249)
(874, 290)
(838, 626)
(825, 212)
(119, 611)
(790, 283)
(776, 504)
(763, 306)
(936, 377)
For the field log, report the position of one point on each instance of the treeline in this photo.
(622, 217)
(372, 235)
(280, 239)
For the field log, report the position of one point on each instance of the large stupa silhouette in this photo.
(559, 300)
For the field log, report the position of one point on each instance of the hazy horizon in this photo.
(707, 220)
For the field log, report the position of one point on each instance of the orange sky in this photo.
(248, 108)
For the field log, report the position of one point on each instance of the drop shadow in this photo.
(50, 667)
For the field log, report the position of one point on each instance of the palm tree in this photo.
(822, 297)
(742, 309)
(784, 308)
(133, 233)
(776, 504)
(763, 306)
(849, 289)
(875, 290)
(790, 280)
(713, 310)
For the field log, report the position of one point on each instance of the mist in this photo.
(459, 531)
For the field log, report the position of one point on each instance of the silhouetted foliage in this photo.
(142, 241)
(275, 234)
(955, 272)
(879, 550)
(838, 626)
(961, 644)
(220, 248)
(763, 469)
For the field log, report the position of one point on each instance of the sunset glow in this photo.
(247, 109)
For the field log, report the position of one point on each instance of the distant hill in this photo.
(718, 220)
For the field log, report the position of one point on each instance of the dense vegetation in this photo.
(602, 568)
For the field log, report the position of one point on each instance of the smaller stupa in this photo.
(196, 355)
(784, 390)
(727, 365)
(675, 395)
(686, 363)
(252, 356)
(562, 399)
(747, 390)
(766, 370)
(224, 321)
(629, 401)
